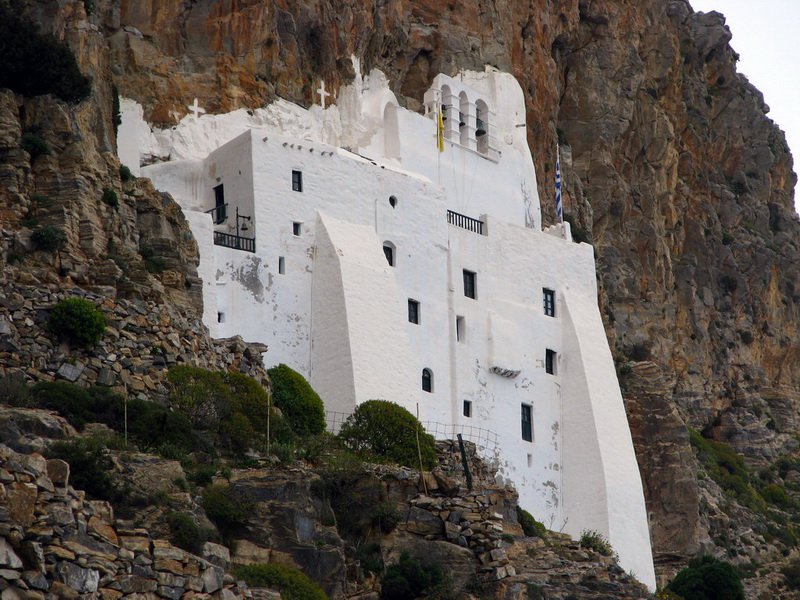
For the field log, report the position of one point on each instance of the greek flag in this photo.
(559, 207)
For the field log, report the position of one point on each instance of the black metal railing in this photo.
(465, 222)
(219, 213)
(236, 242)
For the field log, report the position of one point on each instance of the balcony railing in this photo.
(219, 213)
(236, 242)
(465, 222)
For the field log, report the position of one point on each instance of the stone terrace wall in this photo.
(55, 544)
(142, 340)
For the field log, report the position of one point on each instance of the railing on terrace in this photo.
(486, 441)
(219, 213)
(465, 222)
(236, 242)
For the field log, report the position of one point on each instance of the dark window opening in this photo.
(393, 201)
(296, 228)
(297, 181)
(220, 208)
(388, 252)
(460, 329)
(220, 317)
(549, 299)
(527, 423)
(427, 380)
(281, 265)
(467, 408)
(413, 311)
(550, 361)
(470, 290)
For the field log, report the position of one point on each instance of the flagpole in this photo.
(558, 185)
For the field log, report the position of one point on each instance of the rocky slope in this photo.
(682, 183)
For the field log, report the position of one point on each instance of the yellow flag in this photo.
(440, 132)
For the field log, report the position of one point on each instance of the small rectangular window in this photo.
(220, 317)
(220, 212)
(413, 311)
(550, 361)
(460, 329)
(470, 290)
(527, 423)
(296, 228)
(281, 265)
(530, 460)
(297, 181)
(467, 408)
(549, 299)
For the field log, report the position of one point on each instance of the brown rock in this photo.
(21, 498)
(104, 530)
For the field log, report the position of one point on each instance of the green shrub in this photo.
(791, 572)
(530, 526)
(370, 558)
(390, 431)
(34, 63)
(776, 494)
(597, 542)
(186, 533)
(229, 509)
(385, 517)
(411, 578)
(203, 474)
(48, 238)
(291, 583)
(110, 197)
(77, 321)
(707, 578)
(34, 144)
(90, 468)
(125, 174)
(298, 401)
(14, 390)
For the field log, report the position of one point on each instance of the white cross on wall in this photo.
(195, 108)
(322, 93)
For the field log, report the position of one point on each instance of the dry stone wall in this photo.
(56, 544)
(142, 340)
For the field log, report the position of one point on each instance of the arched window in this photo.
(389, 252)
(447, 103)
(463, 119)
(393, 201)
(482, 126)
(427, 380)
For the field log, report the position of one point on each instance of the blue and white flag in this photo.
(559, 208)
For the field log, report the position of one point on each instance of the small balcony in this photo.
(465, 222)
(219, 214)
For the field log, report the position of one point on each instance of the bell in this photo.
(244, 227)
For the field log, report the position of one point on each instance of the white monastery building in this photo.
(385, 253)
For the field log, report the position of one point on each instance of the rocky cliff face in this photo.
(682, 183)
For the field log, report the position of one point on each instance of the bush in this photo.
(707, 578)
(14, 390)
(48, 238)
(292, 584)
(34, 63)
(110, 197)
(34, 145)
(388, 430)
(791, 572)
(125, 173)
(411, 578)
(186, 533)
(298, 401)
(370, 558)
(530, 526)
(90, 468)
(77, 321)
(597, 542)
(227, 508)
(776, 494)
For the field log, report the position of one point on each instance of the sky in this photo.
(765, 34)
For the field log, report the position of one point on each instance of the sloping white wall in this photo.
(602, 486)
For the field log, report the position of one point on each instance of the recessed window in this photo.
(413, 311)
(549, 299)
(297, 228)
(470, 290)
(220, 317)
(467, 408)
(220, 212)
(550, 361)
(527, 423)
(281, 265)
(530, 460)
(427, 380)
(460, 329)
(393, 201)
(388, 252)
(297, 181)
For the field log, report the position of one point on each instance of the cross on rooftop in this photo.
(195, 108)
(322, 93)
